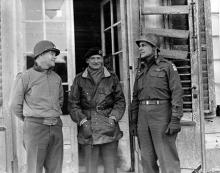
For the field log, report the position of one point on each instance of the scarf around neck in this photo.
(96, 74)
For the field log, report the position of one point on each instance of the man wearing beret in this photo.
(97, 104)
(156, 108)
(37, 100)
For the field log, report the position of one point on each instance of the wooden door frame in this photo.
(125, 73)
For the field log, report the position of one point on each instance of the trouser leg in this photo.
(36, 138)
(148, 155)
(166, 150)
(91, 158)
(109, 155)
(164, 145)
(54, 159)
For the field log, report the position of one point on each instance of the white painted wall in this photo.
(215, 15)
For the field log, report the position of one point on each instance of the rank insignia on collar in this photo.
(174, 67)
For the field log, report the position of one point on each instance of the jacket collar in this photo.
(106, 73)
(38, 68)
(158, 59)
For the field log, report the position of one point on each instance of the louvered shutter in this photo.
(177, 35)
(179, 46)
(207, 60)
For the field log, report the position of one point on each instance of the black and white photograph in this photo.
(109, 86)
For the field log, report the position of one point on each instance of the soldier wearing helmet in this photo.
(37, 99)
(156, 108)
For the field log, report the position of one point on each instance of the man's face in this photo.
(95, 61)
(47, 59)
(145, 49)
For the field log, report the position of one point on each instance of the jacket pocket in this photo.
(105, 126)
(159, 74)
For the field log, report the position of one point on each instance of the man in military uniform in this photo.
(97, 104)
(156, 108)
(37, 99)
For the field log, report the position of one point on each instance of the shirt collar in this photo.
(106, 73)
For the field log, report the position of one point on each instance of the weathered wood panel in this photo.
(209, 56)
(178, 9)
(175, 33)
(174, 54)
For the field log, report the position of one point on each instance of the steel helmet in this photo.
(152, 39)
(45, 46)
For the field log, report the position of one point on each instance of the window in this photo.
(112, 35)
(46, 20)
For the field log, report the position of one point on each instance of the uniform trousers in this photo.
(44, 147)
(108, 152)
(155, 145)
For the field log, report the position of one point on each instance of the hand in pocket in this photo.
(87, 130)
(109, 127)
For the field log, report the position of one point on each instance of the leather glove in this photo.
(133, 129)
(174, 126)
(87, 130)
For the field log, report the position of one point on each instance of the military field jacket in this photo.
(96, 103)
(160, 82)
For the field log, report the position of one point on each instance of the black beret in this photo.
(93, 51)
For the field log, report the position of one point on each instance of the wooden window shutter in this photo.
(177, 38)
(207, 59)
(179, 34)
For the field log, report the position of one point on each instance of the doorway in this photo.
(101, 23)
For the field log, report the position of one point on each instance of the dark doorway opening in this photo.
(87, 24)
(87, 29)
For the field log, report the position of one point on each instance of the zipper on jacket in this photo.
(49, 90)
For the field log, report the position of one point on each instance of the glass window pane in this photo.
(56, 32)
(116, 10)
(33, 34)
(55, 9)
(216, 50)
(29, 61)
(215, 24)
(107, 15)
(118, 66)
(215, 5)
(108, 42)
(32, 9)
(217, 71)
(108, 62)
(112, 62)
(117, 38)
(61, 66)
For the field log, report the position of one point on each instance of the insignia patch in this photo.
(157, 69)
(174, 67)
